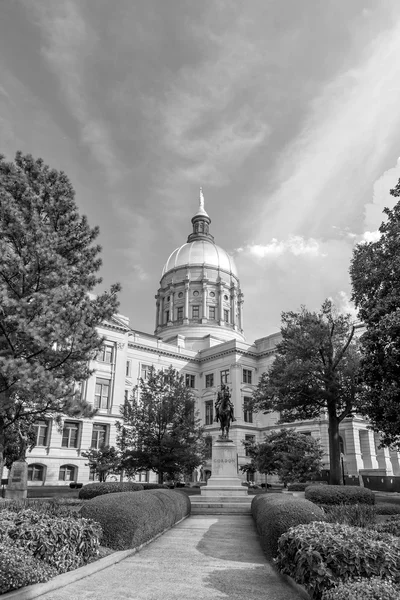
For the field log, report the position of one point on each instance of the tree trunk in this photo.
(160, 477)
(2, 445)
(335, 475)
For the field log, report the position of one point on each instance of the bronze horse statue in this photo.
(224, 411)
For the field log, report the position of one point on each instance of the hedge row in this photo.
(374, 588)
(321, 555)
(91, 490)
(274, 514)
(130, 519)
(339, 494)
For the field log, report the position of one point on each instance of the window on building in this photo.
(67, 473)
(70, 435)
(128, 372)
(102, 394)
(226, 315)
(105, 354)
(42, 430)
(36, 472)
(247, 411)
(166, 316)
(211, 312)
(99, 436)
(247, 376)
(209, 412)
(208, 443)
(249, 438)
(210, 380)
(145, 371)
(190, 380)
(179, 313)
(143, 476)
(195, 312)
(225, 376)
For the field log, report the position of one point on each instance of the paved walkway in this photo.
(202, 558)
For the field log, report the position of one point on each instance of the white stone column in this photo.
(171, 304)
(383, 457)
(240, 311)
(233, 306)
(221, 303)
(367, 443)
(186, 308)
(204, 304)
(157, 310)
(395, 458)
(353, 450)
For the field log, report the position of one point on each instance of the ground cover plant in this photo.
(372, 588)
(358, 515)
(91, 490)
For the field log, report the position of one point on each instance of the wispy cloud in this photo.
(295, 245)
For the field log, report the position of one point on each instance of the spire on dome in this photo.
(201, 222)
(201, 199)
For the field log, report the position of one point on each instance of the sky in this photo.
(286, 113)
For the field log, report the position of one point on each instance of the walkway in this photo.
(203, 558)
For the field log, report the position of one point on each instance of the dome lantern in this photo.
(201, 223)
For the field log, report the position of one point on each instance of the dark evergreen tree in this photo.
(48, 318)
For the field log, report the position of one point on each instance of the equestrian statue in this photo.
(224, 411)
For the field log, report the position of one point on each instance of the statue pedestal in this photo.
(224, 480)
(18, 480)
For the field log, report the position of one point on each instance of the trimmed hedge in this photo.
(91, 490)
(131, 519)
(274, 514)
(19, 568)
(154, 486)
(373, 588)
(297, 487)
(321, 555)
(339, 494)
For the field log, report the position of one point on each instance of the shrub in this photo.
(391, 525)
(387, 509)
(320, 555)
(19, 568)
(63, 543)
(91, 490)
(130, 519)
(154, 486)
(373, 588)
(56, 507)
(339, 494)
(297, 487)
(358, 515)
(274, 514)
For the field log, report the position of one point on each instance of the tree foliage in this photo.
(315, 372)
(160, 429)
(291, 455)
(103, 461)
(375, 276)
(48, 318)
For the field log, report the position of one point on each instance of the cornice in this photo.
(163, 352)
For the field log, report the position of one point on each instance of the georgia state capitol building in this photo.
(199, 331)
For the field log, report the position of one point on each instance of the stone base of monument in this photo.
(17, 480)
(223, 493)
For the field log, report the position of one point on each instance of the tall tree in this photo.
(291, 455)
(48, 318)
(160, 431)
(315, 371)
(374, 272)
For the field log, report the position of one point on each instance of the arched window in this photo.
(68, 473)
(36, 472)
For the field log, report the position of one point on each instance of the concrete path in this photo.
(202, 558)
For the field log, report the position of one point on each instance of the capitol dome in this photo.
(199, 296)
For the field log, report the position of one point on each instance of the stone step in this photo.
(220, 508)
(221, 499)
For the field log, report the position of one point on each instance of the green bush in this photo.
(154, 486)
(358, 515)
(339, 494)
(274, 514)
(320, 555)
(391, 525)
(130, 519)
(91, 490)
(19, 568)
(373, 588)
(62, 542)
(56, 507)
(387, 509)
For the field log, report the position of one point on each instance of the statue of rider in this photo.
(224, 394)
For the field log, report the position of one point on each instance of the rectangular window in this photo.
(179, 313)
(249, 438)
(99, 436)
(247, 411)
(211, 312)
(210, 380)
(143, 476)
(105, 354)
(209, 412)
(70, 435)
(226, 315)
(247, 376)
(225, 376)
(102, 394)
(190, 380)
(145, 371)
(166, 316)
(67, 473)
(42, 433)
(35, 473)
(128, 368)
(195, 312)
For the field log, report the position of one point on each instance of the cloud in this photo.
(370, 236)
(295, 245)
(344, 304)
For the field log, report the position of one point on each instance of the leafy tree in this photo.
(103, 461)
(374, 272)
(290, 455)
(160, 430)
(315, 371)
(48, 318)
